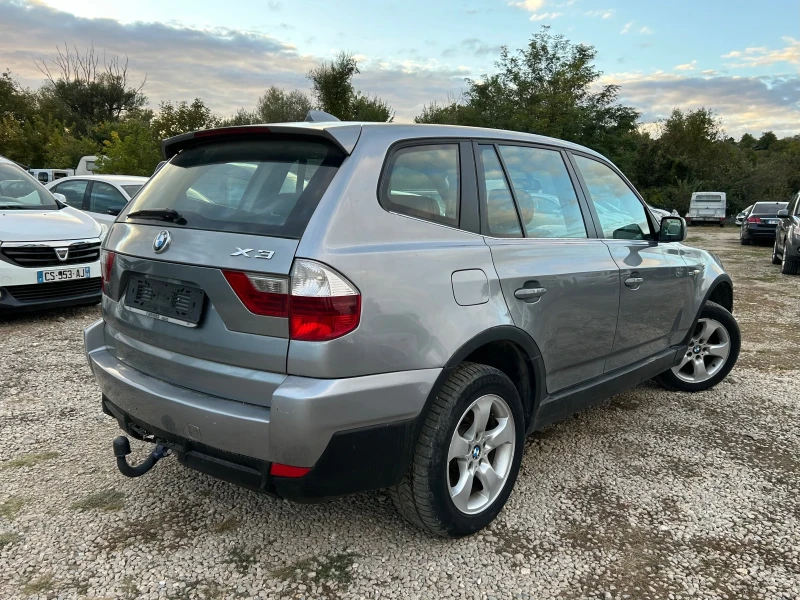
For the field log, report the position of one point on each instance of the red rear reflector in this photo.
(262, 295)
(279, 470)
(255, 130)
(106, 266)
(753, 220)
(313, 319)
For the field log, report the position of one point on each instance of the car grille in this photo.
(45, 256)
(38, 292)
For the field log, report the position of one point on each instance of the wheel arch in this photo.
(719, 292)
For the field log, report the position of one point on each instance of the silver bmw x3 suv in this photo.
(315, 309)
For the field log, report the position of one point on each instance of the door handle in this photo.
(530, 293)
(634, 282)
(694, 272)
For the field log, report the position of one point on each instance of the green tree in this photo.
(181, 117)
(88, 92)
(132, 149)
(280, 106)
(333, 90)
(551, 87)
(63, 149)
(242, 117)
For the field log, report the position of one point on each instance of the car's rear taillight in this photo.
(753, 220)
(324, 305)
(262, 294)
(106, 266)
(320, 303)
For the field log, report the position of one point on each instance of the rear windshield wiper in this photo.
(158, 214)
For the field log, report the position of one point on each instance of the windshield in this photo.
(20, 191)
(131, 189)
(268, 187)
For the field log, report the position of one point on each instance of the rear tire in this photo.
(453, 452)
(744, 241)
(789, 265)
(775, 259)
(718, 339)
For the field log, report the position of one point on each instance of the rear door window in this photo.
(105, 197)
(423, 182)
(73, 191)
(502, 219)
(267, 187)
(544, 192)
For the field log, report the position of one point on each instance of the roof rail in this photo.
(319, 116)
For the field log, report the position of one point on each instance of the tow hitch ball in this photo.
(122, 447)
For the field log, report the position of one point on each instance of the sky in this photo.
(738, 57)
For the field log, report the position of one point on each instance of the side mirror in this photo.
(783, 213)
(115, 210)
(673, 229)
(60, 197)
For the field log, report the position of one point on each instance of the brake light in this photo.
(106, 266)
(753, 220)
(247, 130)
(324, 305)
(281, 470)
(321, 304)
(261, 294)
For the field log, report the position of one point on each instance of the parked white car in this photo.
(102, 196)
(49, 252)
(743, 215)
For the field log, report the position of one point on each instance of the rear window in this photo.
(265, 187)
(708, 198)
(769, 208)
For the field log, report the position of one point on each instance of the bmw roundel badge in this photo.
(162, 241)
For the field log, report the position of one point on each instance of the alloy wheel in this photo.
(480, 454)
(706, 354)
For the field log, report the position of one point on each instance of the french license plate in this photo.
(771, 221)
(165, 301)
(62, 275)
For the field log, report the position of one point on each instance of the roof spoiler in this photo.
(343, 136)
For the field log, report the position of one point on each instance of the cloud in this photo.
(744, 104)
(480, 48)
(227, 68)
(546, 16)
(646, 30)
(529, 5)
(686, 67)
(603, 14)
(760, 57)
(627, 27)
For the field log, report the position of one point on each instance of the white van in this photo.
(707, 207)
(45, 176)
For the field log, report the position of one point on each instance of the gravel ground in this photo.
(650, 495)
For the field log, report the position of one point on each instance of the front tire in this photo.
(468, 454)
(710, 355)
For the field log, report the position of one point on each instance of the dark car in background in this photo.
(761, 223)
(786, 251)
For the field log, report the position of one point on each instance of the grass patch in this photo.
(241, 559)
(28, 460)
(11, 507)
(107, 500)
(229, 524)
(331, 568)
(8, 538)
(129, 589)
(43, 584)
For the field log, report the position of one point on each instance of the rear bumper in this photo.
(759, 234)
(354, 433)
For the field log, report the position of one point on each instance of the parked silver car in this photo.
(101, 196)
(316, 309)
